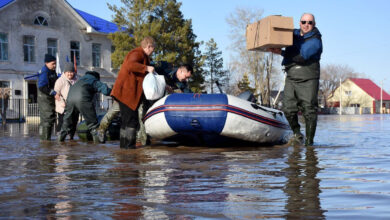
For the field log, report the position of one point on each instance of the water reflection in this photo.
(303, 187)
(346, 177)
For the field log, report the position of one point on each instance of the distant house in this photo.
(359, 92)
(30, 29)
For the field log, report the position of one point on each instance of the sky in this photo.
(355, 33)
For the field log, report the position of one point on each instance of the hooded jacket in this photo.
(85, 89)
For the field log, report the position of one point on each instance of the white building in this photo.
(31, 28)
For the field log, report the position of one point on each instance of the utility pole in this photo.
(381, 96)
(341, 108)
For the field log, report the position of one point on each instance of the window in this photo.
(28, 48)
(52, 46)
(96, 55)
(355, 105)
(3, 47)
(40, 20)
(75, 51)
(348, 93)
(4, 84)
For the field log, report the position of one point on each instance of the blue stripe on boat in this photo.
(191, 121)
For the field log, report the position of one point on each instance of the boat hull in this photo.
(214, 118)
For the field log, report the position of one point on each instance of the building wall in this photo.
(65, 25)
(351, 94)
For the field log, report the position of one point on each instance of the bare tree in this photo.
(257, 64)
(330, 78)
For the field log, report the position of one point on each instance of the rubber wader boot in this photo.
(62, 136)
(311, 126)
(101, 136)
(71, 134)
(45, 133)
(127, 138)
(95, 137)
(296, 128)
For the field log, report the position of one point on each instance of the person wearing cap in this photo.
(128, 90)
(61, 87)
(302, 64)
(47, 77)
(80, 100)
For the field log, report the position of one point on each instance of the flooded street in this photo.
(345, 175)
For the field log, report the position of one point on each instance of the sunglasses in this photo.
(309, 22)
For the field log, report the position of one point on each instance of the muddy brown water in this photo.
(345, 175)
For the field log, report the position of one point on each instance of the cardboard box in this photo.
(270, 32)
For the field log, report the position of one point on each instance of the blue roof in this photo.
(98, 24)
(4, 2)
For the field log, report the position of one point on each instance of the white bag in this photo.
(154, 86)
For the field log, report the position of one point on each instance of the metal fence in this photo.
(20, 110)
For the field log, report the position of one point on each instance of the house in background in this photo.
(360, 93)
(30, 29)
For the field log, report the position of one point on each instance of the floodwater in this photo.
(346, 175)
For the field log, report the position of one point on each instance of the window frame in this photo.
(96, 55)
(50, 49)
(75, 51)
(41, 20)
(4, 47)
(30, 49)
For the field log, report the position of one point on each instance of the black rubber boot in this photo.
(62, 136)
(311, 125)
(127, 138)
(294, 124)
(298, 137)
(45, 133)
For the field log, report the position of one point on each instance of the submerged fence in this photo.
(20, 110)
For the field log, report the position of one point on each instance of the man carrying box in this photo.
(302, 64)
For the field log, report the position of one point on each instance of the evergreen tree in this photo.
(214, 65)
(162, 20)
(244, 84)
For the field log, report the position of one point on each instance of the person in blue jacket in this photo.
(302, 64)
(47, 77)
(80, 100)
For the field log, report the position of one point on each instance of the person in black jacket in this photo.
(80, 100)
(47, 77)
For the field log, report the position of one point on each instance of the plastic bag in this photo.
(154, 86)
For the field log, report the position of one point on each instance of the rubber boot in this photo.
(95, 137)
(71, 134)
(101, 136)
(311, 125)
(127, 138)
(45, 133)
(62, 136)
(296, 128)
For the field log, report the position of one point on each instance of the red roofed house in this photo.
(359, 92)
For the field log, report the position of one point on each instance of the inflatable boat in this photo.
(209, 119)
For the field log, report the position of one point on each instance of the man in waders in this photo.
(80, 100)
(302, 64)
(47, 77)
